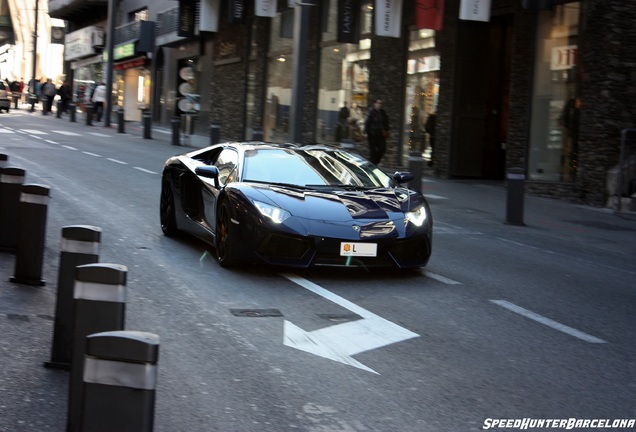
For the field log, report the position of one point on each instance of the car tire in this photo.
(166, 208)
(224, 236)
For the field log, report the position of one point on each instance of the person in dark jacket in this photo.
(65, 95)
(376, 129)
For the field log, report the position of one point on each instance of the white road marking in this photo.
(34, 132)
(66, 133)
(340, 342)
(432, 196)
(91, 154)
(440, 278)
(51, 142)
(6, 131)
(69, 147)
(548, 322)
(99, 134)
(145, 170)
(117, 161)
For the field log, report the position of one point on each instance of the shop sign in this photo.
(349, 21)
(124, 50)
(209, 15)
(237, 11)
(563, 57)
(475, 10)
(265, 8)
(388, 18)
(429, 14)
(186, 18)
(82, 43)
(138, 62)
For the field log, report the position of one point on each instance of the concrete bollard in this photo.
(120, 379)
(514, 207)
(72, 112)
(89, 114)
(11, 180)
(416, 167)
(58, 109)
(215, 133)
(4, 160)
(99, 306)
(147, 122)
(175, 126)
(121, 123)
(31, 235)
(79, 246)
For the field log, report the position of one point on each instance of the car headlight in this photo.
(417, 217)
(276, 214)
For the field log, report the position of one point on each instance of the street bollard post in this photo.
(79, 246)
(175, 125)
(58, 109)
(120, 380)
(72, 111)
(31, 235)
(121, 122)
(514, 207)
(11, 180)
(89, 114)
(99, 306)
(215, 133)
(45, 104)
(147, 121)
(4, 160)
(416, 167)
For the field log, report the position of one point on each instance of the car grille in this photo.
(414, 249)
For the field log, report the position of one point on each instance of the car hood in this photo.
(339, 204)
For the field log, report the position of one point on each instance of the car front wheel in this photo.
(166, 208)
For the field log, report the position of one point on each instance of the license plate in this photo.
(359, 249)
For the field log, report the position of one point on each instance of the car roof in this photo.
(262, 145)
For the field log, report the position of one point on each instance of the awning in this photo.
(132, 63)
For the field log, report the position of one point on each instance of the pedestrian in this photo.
(49, 91)
(430, 129)
(376, 129)
(15, 92)
(342, 128)
(99, 96)
(65, 95)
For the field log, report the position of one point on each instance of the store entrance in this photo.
(482, 95)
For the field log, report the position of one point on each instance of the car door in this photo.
(226, 162)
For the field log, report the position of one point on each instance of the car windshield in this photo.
(312, 167)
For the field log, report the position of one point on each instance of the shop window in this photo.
(555, 101)
(344, 80)
(422, 92)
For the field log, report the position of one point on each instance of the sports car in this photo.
(295, 206)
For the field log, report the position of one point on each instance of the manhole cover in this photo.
(256, 313)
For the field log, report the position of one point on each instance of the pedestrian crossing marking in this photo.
(34, 132)
(99, 134)
(66, 133)
(6, 131)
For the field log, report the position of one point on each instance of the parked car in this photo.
(5, 97)
(297, 206)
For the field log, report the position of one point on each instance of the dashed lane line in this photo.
(145, 170)
(68, 133)
(91, 154)
(117, 161)
(69, 147)
(440, 278)
(548, 322)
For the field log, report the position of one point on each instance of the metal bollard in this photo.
(99, 306)
(147, 121)
(4, 160)
(120, 379)
(416, 167)
(516, 184)
(175, 125)
(89, 114)
(80, 246)
(45, 104)
(11, 180)
(121, 123)
(58, 109)
(31, 235)
(72, 111)
(215, 133)
(257, 134)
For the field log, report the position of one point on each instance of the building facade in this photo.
(546, 86)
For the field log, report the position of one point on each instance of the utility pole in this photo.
(35, 45)
(109, 68)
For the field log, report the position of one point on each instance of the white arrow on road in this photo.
(340, 342)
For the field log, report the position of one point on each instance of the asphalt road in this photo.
(506, 322)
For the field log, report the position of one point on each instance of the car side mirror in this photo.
(402, 177)
(208, 171)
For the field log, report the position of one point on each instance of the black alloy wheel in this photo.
(166, 208)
